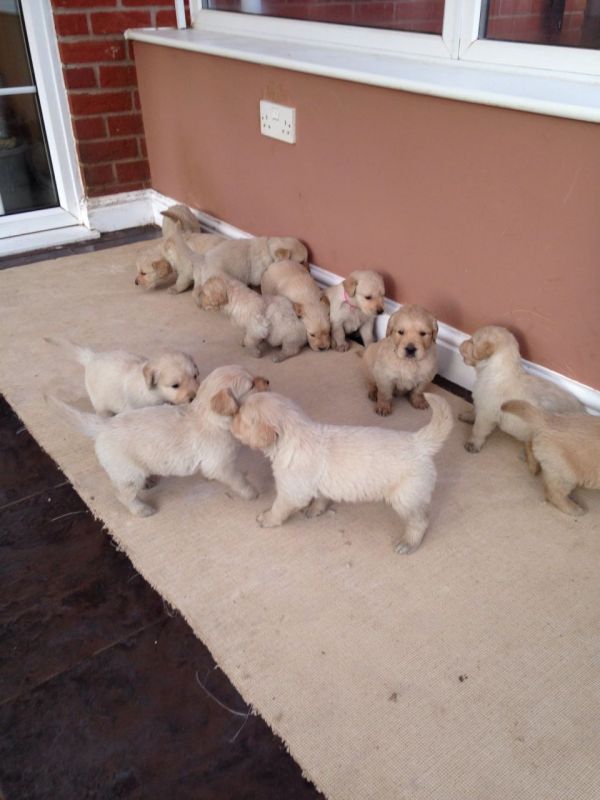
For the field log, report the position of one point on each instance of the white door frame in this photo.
(71, 212)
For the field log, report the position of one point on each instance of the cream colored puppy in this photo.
(179, 217)
(314, 464)
(500, 376)
(353, 305)
(118, 381)
(261, 317)
(136, 445)
(184, 254)
(565, 446)
(405, 362)
(291, 280)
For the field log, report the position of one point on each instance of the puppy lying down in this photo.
(168, 440)
(261, 317)
(314, 464)
(494, 352)
(565, 446)
(118, 381)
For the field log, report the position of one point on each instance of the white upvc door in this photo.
(65, 208)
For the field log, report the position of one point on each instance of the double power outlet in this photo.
(278, 122)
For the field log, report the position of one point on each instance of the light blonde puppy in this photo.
(118, 381)
(565, 446)
(182, 217)
(314, 464)
(136, 445)
(291, 280)
(353, 305)
(184, 254)
(405, 362)
(500, 376)
(261, 317)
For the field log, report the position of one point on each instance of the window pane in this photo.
(423, 16)
(571, 23)
(14, 58)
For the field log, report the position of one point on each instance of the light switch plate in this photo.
(278, 122)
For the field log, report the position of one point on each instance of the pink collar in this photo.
(347, 300)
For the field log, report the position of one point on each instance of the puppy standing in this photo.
(314, 464)
(353, 305)
(261, 317)
(118, 381)
(405, 362)
(494, 353)
(168, 440)
(289, 279)
(566, 446)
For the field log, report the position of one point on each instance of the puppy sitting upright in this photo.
(136, 445)
(261, 317)
(565, 446)
(494, 352)
(118, 381)
(405, 362)
(291, 280)
(314, 463)
(353, 305)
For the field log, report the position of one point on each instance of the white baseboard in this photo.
(144, 207)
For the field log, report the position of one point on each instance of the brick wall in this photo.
(102, 87)
(537, 21)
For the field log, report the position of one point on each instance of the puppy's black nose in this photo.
(380, 310)
(136, 282)
(410, 350)
(323, 348)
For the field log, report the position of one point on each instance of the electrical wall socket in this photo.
(278, 122)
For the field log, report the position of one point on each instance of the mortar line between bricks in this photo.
(32, 687)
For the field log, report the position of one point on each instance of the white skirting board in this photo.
(144, 207)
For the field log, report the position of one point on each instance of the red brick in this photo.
(166, 19)
(146, 3)
(117, 22)
(98, 174)
(136, 100)
(143, 148)
(117, 76)
(91, 52)
(90, 128)
(60, 4)
(110, 150)
(83, 103)
(133, 171)
(80, 78)
(129, 187)
(71, 24)
(125, 124)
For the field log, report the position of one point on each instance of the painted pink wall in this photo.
(485, 215)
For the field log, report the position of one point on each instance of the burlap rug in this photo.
(470, 669)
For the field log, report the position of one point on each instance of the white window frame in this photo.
(459, 40)
(43, 48)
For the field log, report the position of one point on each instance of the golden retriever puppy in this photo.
(565, 446)
(289, 279)
(179, 216)
(405, 362)
(353, 305)
(261, 317)
(118, 381)
(500, 376)
(184, 254)
(314, 464)
(165, 440)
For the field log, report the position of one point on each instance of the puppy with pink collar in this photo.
(353, 305)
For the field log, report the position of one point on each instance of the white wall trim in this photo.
(145, 206)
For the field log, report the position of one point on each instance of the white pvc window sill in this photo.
(535, 91)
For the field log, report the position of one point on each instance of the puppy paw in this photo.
(383, 409)
(471, 447)
(249, 493)
(403, 549)
(151, 481)
(467, 416)
(265, 521)
(172, 290)
(372, 394)
(143, 510)
(342, 348)
(418, 401)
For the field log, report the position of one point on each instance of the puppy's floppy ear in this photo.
(350, 285)
(325, 299)
(261, 384)
(298, 310)
(282, 254)
(224, 403)
(262, 435)
(149, 375)
(483, 349)
(162, 267)
(389, 330)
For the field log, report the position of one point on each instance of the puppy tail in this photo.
(433, 435)
(531, 416)
(88, 424)
(82, 354)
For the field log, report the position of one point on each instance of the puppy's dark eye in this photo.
(401, 332)
(368, 296)
(174, 386)
(142, 273)
(422, 333)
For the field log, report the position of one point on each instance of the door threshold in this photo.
(42, 240)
